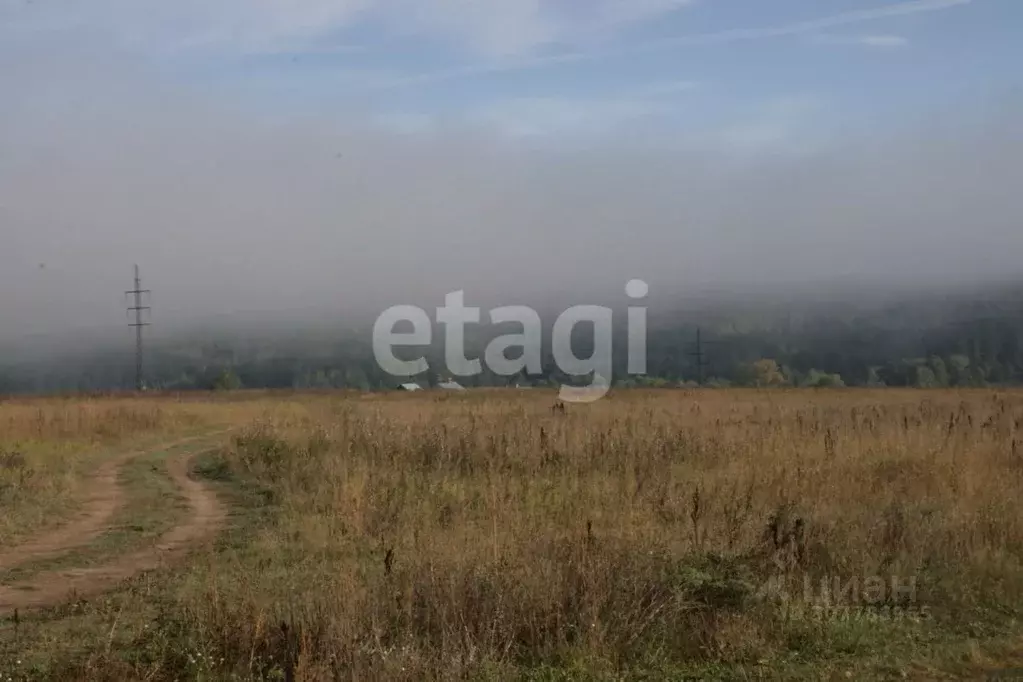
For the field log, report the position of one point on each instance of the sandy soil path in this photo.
(48, 589)
(103, 497)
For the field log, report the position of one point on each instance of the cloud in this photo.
(781, 124)
(511, 35)
(226, 211)
(510, 28)
(227, 207)
(877, 41)
(495, 29)
(885, 41)
(540, 116)
(245, 26)
(667, 88)
(501, 30)
(812, 26)
(571, 118)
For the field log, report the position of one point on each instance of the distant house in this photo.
(410, 387)
(450, 386)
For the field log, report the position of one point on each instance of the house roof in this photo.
(450, 386)
(410, 387)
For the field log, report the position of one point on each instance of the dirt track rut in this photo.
(103, 498)
(106, 495)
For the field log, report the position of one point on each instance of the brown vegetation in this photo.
(664, 533)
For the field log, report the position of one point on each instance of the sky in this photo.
(269, 156)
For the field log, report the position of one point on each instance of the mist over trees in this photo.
(974, 338)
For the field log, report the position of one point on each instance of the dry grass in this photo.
(485, 536)
(48, 445)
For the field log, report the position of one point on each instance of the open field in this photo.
(844, 534)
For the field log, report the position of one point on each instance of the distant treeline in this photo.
(935, 343)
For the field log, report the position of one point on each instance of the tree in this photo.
(766, 372)
(924, 377)
(959, 370)
(227, 380)
(938, 367)
(895, 373)
(817, 379)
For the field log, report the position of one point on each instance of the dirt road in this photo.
(105, 496)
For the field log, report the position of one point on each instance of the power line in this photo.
(701, 355)
(138, 324)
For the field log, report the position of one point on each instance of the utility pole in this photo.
(138, 324)
(701, 356)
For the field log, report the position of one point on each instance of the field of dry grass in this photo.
(652, 535)
(48, 446)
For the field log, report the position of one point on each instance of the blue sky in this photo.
(534, 67)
